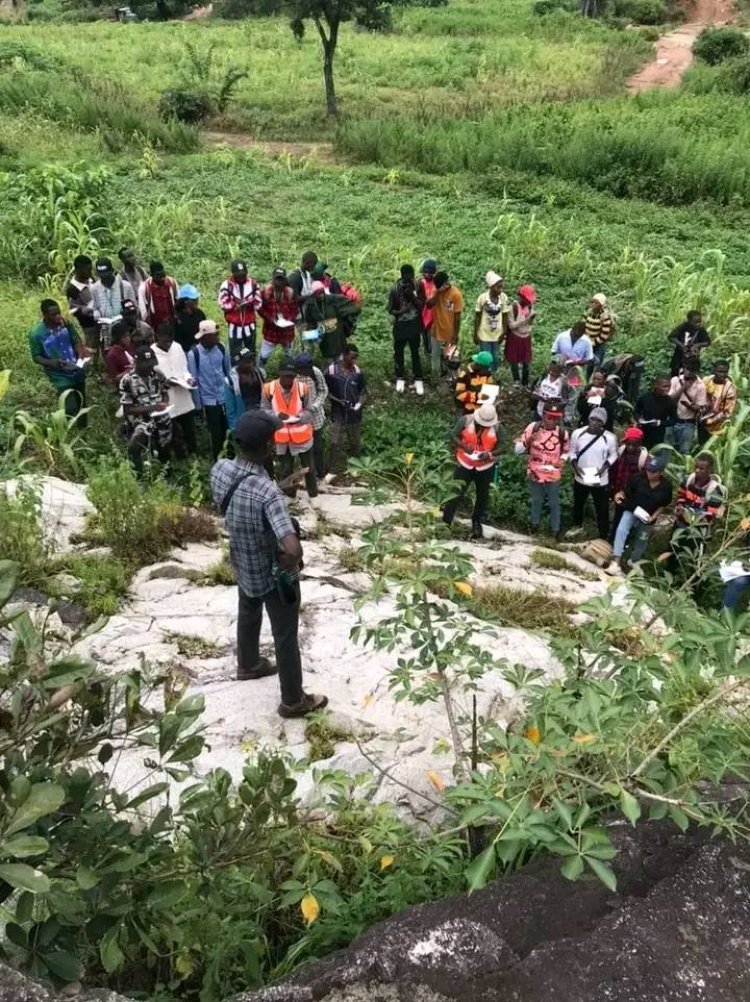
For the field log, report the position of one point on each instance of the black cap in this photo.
(238, 268)
(279, 273)
(255, 428)
(242, 355)
(287, 369)
(128, 306)
(103, 265)
(145, 354)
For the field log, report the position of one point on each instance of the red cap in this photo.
(633, 435)
(528, 292)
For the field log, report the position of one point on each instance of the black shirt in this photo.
(186, 327)
(639, 493)
(651, 407)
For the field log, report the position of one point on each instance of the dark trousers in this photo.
(286, 466)
(284, 621)
(184, 429)
(216, 422)
(344, 437)
(319, 453)
(481, 480)
(524, 374)
(600, 497)
(427, 341)
(74, 402)
(399, 348)
(140, 445)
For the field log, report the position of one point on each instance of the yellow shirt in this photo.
(491, 324)
(448, 303)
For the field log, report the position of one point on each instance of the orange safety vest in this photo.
(471, 443)
(294, 434)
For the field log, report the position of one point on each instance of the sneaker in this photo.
(400, 385)
(476, 530)
(419, 387)
(263, 669)
(308, 704)
(613, 569)
(575, 532)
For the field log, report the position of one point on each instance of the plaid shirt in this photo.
(317, 396)
(257, 518)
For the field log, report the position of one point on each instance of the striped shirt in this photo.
(600, 326)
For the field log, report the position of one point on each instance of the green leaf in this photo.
(481, 869)
(630, 807)
(66, 671)
(17, 935)
(603, 872)
(25, 907)
(24, 845)
(167, 894)
(109, 951)
(44, 798)
(679, 817)
(572, 868)
(564, 811)
(24, 877)
(8, 580)
(187, 750)
(152, 791)
(86, 878)
(63, 965)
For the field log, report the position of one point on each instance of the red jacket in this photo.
(271, 308)
(239, 302)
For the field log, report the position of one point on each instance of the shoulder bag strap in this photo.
(227, 500)
(588, 445)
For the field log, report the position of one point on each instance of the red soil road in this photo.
(673, 51)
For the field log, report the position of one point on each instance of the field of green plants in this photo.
(488, 136)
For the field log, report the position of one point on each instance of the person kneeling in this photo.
(144, 395)
(476, 441)
(645, 497)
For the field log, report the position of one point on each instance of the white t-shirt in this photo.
(603, 450)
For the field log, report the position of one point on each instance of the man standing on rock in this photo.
(265, 552)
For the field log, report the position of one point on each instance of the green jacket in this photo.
(44, 343)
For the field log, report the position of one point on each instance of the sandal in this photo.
(308, 704)
(263, 669)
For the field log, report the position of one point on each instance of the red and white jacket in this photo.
(239, 301)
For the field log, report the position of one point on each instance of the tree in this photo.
(328, 16)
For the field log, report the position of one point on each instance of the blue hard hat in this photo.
(188, 292)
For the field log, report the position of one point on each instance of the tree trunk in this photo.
(329, 51)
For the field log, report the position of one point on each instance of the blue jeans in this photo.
(538, 493)
(493, 347)
(641, 531)
(681, 436)
(734, 591)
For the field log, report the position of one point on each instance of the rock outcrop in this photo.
(677, 930)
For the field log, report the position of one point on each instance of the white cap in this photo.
(492, 278)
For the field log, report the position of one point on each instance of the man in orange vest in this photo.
(287, 398)
(476, 440)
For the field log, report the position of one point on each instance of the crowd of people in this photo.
(167, 363)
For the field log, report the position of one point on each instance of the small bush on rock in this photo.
(714, 45)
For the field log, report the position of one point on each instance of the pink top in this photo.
(546, 449)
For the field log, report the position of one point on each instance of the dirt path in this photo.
(320, 152)
(199, 13)
(674, 52)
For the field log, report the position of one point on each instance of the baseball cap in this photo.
(188, 292)
(656, 464)
(429, 265)
(279, 273)
(254, 428)
(483, 358)
(242, 355)
(206, 327)
(145, 354)
(103, 265)
(633, 435)
(287, 369)
(128, 306)
(238, 268)
(303, 360)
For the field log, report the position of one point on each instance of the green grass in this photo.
(547, 560)
(190, 646)
(526, 610)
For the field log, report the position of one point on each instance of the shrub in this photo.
(102, 582)
(23, 539)
(642, 11)
(714, 45)
(141, 522)
(187, 106)
(235, 10)
(734, 75)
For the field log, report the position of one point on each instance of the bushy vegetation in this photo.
(715, 45)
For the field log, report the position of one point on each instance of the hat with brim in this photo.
(486, 415)
(483, 358)
(206, 327)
